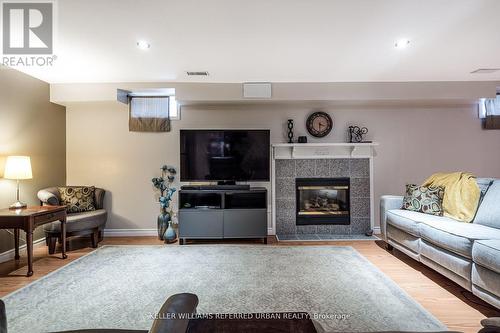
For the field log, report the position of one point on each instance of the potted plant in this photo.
(164, 185)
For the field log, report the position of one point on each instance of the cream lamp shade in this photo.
(18, 167)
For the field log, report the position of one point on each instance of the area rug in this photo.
(124, 286)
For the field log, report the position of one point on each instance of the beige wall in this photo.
(29, 125)
(414, 142)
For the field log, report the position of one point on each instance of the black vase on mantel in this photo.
(302, 139)
(290, 130)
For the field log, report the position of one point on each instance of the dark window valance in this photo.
(492, 122)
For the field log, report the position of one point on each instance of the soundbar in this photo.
(215, 187)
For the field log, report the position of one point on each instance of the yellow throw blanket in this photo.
(461, 194)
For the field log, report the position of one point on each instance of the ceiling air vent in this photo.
(485, 70)
(189, 73)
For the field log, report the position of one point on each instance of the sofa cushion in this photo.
(484, 184)
(405, 239)
(489, 211)
(486, 279)
(408, 220)
(405, 220)
(428, 200)
(487, 254)
(456, 265)
(487, 297)
(80, 221)
(455, 236)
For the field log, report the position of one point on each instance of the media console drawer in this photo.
(201, 223)
(245, 223)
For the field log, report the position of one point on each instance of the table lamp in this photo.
(18, 168)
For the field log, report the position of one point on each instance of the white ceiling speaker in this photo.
(257, 90)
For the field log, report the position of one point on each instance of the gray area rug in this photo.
(122, 286)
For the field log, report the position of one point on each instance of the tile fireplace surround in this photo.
(292, 161)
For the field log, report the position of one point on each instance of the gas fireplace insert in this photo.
(322, 201)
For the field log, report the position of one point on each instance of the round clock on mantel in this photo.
(319, 124)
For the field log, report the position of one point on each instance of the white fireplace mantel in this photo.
(323, 150)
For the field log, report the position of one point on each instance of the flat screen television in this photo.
(225, 155)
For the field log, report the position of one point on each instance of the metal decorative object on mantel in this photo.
(356, 134)
(164, 183)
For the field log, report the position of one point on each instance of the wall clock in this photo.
(319, 124)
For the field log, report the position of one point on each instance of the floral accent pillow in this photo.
(77, 199)
(423, 199)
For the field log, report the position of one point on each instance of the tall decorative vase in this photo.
(163, 223)
(290, 130)
(170, 234)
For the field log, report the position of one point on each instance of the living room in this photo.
(305, 174)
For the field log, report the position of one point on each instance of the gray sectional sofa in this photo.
(467, 253)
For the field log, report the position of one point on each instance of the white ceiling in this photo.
(274, 40)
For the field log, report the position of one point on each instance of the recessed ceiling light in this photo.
(402, 43)
(143, 45)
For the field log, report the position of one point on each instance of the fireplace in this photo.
(322, 201)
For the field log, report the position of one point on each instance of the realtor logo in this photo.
(27, 28)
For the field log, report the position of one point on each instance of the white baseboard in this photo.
(10, 254)
(129, 232)
(154, 232)
(144, 232)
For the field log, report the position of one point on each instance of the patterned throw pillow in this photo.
(428, 200)
(77, 199)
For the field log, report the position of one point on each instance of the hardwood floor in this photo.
(455, 307)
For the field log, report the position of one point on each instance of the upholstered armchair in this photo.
(77, 224)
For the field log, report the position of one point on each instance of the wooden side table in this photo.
(28, 219)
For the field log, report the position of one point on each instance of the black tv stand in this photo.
(212, 212)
